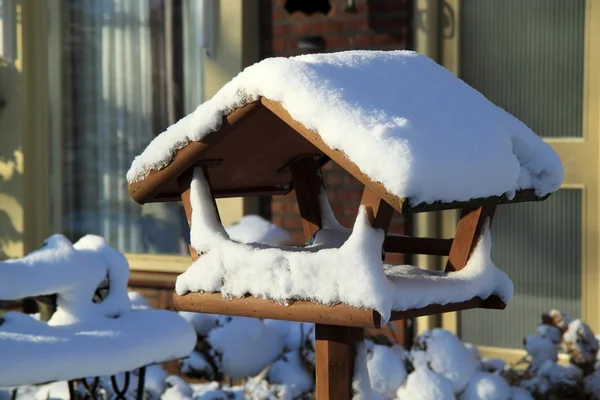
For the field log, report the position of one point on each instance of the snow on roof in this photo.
(407, 123)
(82, 338)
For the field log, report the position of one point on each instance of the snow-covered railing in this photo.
(93, 329)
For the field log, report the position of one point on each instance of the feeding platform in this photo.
(419, 140)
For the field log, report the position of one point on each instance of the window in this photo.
(123, 70)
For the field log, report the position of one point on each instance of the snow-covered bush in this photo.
(438, 366)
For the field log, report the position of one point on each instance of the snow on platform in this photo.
(329, 271)
(82, 338)
(255, 229)
(404, 120)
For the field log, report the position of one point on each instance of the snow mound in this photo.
(293, 334)
(202, 323)
(290, 371)
(387, 371)
(244, 346)
(406, 121)
(446, 355)
(114, 334)
(486, 386)
(424, 384)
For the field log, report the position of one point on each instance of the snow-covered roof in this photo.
(403, 120)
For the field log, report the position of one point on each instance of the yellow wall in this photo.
(11, 163)
(11, 154)
(235, 46)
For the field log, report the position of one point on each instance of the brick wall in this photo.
(375, 24)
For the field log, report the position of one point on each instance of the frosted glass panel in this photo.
(539, 246)
(527, 57)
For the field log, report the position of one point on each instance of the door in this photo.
(540, 61)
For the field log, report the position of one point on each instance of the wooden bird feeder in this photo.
(261, 150)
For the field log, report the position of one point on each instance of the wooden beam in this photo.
(184, 181)
(335, 354)
(307, 311)
(468, 233)
(308, 184)
(144, 190)
(417, 245)
(493, 303)
(521, 196)
(379, 211)
(254, 307)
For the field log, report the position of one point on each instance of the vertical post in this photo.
(379, 212)
(185, 181)
(335, 345)
(468, 232)
(306, 175)
(336, 349)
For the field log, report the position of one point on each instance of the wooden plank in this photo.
(301, 311)
(492, 302)
(184, 181)
(417, 245)
(308, 184)
(219, 194)
(379, 211)
(306, 311)
(335, 354)
(144, 190)
(521, 196)
(468, 233)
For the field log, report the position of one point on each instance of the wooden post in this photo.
(185, 181)
(378, 211)
(306, 175)
(335, 345)
(336, 350)
(468, 232)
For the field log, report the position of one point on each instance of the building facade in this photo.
(85, 84)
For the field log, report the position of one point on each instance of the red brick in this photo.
(297, 238)
(333, 179)
(374, 40)
(292, 44)
(278, 14)
(281, 30)
(388, 23)
(293, 223)
(351, 210)
(388, 6)
(278, 44)
(338, 210)
(277, 219)
(346, 195)
(356, 24)
(302, 27)
(338, 42)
